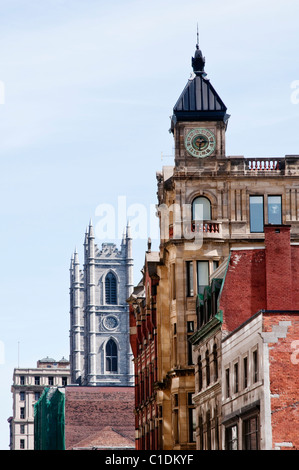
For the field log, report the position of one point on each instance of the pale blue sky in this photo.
(89, 88)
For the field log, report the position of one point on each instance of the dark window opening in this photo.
(111, 356)
(110, 289)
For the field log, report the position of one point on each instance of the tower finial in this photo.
(198, 61)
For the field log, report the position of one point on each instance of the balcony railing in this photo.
(206, 227)
(264, 164)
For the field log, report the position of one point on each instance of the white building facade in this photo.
(28, 385)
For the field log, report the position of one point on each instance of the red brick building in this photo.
(143, 337)
(99, 418)
(253, 393)
(267, 278)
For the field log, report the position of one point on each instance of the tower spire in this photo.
(198, 61)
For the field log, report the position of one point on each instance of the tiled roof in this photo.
(107, 438)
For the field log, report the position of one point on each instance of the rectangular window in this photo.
(36, 380)
(274, 210)
(22, 444)
(50, 381)
(256, 208)
(22, 396)
(37, 396)
(255, 366)
(189, 269)
(245, 372)
(22, 429)
(236, 378)
(22, 413)
(176, 417)
(192, 421)
(227, 385)
(202, 275)
(190, 331)
(215, 265)
(173, 287)
(199, 363)
(64, 381)
(250, 427)
(22, 380)
(215, 361)
(231, 437)
(175, 351)
(207, 368)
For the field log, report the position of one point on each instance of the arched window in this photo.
(111, 356)
(201, 209)
(110, 289)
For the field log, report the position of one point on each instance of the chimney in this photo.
(278, 267)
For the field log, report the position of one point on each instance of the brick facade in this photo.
(143, 337)
(284, 377)
(258, 283)
(266, 278)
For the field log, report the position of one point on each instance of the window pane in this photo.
(274, 210)
(111, 356)
(110, 289)
(192, 425)
(189, 268)
(251, 434)
(232, 438)
(256, 214)
(202, 275)
(201, 209)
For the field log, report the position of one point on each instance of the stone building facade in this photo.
(100, 351)
(260, 383)
(208, 203)
(27, 388)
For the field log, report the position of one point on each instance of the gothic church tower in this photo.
(100, 351)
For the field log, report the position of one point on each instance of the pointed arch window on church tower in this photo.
(110, 289)
(111, 356)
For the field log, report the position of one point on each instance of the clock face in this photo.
(110, 322)
(200, 142)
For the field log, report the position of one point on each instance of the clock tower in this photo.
(199, 119)
(193, 204)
